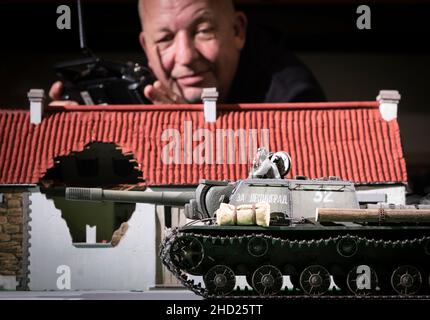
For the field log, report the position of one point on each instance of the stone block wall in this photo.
(12, 210)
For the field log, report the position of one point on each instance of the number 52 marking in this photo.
(323, 196)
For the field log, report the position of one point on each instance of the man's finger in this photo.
(156, 94)
(168, 93)
(151, 94)
(63, 103)
(173, 97)
(56, 90)
(158, 85)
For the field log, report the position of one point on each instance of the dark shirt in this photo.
(268, 72)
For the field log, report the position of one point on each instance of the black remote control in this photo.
(93, 81)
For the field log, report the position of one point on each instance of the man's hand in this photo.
(55, 95)
(156, 93)
(159, 94)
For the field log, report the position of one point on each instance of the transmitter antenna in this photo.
(82, 39)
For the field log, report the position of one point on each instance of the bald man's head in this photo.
(192, 44)
(226, 6)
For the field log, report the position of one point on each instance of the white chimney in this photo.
(388, 103)
(36, 98)
(209, 98)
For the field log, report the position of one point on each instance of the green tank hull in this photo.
(364, 261)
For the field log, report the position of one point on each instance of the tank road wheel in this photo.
(362, 280)
(220, 280)
(187, 253)
(257, 247)
(347, 247)
(315, 280)
(267, 280)
(406, 280)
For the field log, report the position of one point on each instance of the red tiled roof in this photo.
(347, 139)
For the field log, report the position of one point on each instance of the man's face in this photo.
(192, 44)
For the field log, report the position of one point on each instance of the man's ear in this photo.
(240, 26)
(143, 44)
(142, 40)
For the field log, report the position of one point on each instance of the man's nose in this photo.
(186, 51)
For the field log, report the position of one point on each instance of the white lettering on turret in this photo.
(323, 196)
(270, 198)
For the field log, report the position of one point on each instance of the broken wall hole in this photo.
(102, 165)
(98, 165)
(94, 223)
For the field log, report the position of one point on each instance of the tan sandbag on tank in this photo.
(246, 215)
(226, 215)
(254, 214)
(262, 214)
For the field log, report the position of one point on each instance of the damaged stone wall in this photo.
(12, 209)
(56, 263)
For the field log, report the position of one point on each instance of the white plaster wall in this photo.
(8, 283)
(395, 194)
(128, 266)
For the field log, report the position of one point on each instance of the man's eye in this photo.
(165, 39)
(205, 32)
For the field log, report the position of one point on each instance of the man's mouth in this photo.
(192, 79)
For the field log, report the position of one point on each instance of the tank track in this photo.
(313, 243)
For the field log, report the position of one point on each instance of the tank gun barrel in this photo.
(161, 198)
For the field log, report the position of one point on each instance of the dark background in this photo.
(350, 64)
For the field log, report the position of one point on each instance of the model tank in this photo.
(289, 237)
